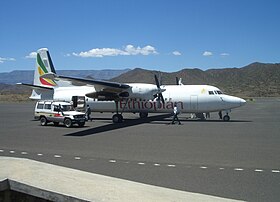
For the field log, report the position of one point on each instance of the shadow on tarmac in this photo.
(158, 119)
(113, 126)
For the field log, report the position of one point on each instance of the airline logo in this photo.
(149, 105)
(43, 70)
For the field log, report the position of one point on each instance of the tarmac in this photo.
(56, 183)
(236, 160)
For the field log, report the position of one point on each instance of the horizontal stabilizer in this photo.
(35, 86)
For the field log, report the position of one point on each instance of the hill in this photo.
(254, 80)
(27, 75)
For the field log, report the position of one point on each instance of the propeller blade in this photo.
(157, 82)
(161, 97)
(177, 80)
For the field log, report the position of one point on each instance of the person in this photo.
(175, 116)
(220, 115)
(88, 112)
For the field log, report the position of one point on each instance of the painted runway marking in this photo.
(143, 163)
(238, 169)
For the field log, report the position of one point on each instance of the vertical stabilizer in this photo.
(43, 65)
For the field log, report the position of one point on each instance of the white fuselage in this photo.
(189, 99)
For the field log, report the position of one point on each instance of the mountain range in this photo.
(26, 76)
(254, 80)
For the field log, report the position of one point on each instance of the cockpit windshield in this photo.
(217, 92)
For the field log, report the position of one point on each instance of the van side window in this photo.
(211, 92)
(47, 106)
(40, 106)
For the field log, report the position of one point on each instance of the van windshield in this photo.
(67, 108)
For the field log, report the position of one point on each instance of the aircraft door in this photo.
(75, 101)
(194, 102)
(79, 102)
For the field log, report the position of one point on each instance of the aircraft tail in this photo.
(43, 88)
(43, 66)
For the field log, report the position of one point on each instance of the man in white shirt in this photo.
(175, 116)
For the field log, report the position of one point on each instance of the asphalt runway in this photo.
(237, 159)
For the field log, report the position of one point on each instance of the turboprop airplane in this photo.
(142, 98)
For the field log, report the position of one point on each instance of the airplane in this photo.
(142, 98)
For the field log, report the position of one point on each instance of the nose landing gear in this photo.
(225, 117)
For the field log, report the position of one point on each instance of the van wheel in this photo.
(43, 121)
(68, 123)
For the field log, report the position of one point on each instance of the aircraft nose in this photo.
(242, 102)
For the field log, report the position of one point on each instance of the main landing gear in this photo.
(118, 118)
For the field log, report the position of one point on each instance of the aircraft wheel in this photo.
(117, 118)
(143, 114)
(43, 121)
(226, 118)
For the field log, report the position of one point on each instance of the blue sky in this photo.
(166, 35)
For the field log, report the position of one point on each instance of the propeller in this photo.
(178, 81)
(158, 95)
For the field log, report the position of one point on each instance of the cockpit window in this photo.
(219, 92)
(211, 92)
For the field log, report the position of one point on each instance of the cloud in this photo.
(31, 55)
(207, 53)
(2, 60)
(127, 50)
(224, 54)
(177, 53)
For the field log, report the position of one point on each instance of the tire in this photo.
(43, 121)
(117, 118)
(81, 124)
(226, 118)
(143, 115)
(68, 123)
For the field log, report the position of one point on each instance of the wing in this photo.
(108, 89)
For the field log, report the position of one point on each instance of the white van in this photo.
(58, 112)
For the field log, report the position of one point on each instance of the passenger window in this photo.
(40, 106)
(211, 92)
(47, 106)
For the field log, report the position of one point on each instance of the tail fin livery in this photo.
(43, 66)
